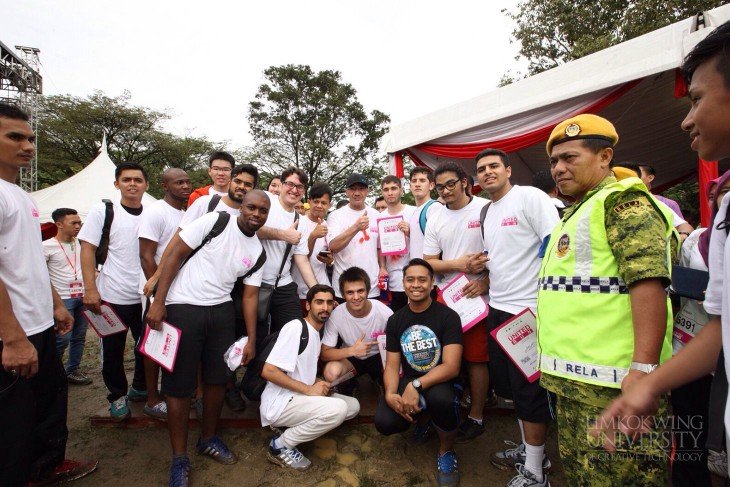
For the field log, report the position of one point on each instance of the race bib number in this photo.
(688, 323)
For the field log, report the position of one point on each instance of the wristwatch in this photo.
(417, 386)
(645, 368)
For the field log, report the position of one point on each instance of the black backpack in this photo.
(102, 250)
(252, 384)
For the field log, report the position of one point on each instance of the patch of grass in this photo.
(413, 479)
(366, 480)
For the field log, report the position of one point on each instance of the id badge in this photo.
(76, 289)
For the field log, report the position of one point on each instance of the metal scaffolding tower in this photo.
(21, 83)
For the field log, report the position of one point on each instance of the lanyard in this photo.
(72, 264)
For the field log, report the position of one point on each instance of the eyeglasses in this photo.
(290, 185)
(447, 185)
(220, 169)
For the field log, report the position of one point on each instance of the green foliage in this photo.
(71, 128)
(686, 194)
(552, 32)
(313, 120)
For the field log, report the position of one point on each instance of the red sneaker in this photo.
(67, 471)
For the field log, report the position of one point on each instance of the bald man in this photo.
(196, 298)
(158, 224)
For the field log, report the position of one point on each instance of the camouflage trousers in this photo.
(641, 462)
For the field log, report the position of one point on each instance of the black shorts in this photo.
(530, 400)
(206, 332)
(372, 366)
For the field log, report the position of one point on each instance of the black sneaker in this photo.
(468, 430)
(234, 400)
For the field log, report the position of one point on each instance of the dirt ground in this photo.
(352, 455)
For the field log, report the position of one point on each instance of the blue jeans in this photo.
(76, 337)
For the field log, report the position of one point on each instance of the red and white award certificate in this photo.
(518, 339)
(470, 310)
(392, 239)
(161, 346)
(105, 324)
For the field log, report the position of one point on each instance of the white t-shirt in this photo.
(302, 368)
(455, 233)
(281, 219)
(343, 324)
(118, 281)
(64, 264)
(208, 277)
(416, 239)
(200, 208)
(320, 270)
(361, 251)
(717, 297)
(22, 265)
(394, 263)
(159, 223)
(514, 229)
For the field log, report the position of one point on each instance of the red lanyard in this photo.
(72, 264)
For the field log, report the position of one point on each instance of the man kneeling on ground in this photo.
(358, 323)
(424, 338)
(293, 397)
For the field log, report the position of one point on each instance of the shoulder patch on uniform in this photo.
(629, 204)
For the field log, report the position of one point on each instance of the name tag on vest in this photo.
(582, 371)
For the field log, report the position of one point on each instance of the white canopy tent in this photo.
(84, 189)
(634, 84)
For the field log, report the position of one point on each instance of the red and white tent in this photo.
(634, 84)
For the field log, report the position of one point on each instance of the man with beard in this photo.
(293, 397)
(244, 177)
(197, 299)
(159, 223)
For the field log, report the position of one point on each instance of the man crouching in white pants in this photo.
(293, 397)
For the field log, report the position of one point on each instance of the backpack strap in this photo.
(103, 247)
(286, 254)
(483, 216)
(218, 227)
(423, 217)
(213, 203)
(304, 340)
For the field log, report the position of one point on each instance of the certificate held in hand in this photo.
(392, 239)
(518, 338)
(470, 310)
(161, 346)
(105, 324)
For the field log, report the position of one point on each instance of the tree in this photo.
(552, 32)
(314, 121)
(70, 131)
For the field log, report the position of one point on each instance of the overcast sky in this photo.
(204, 60)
